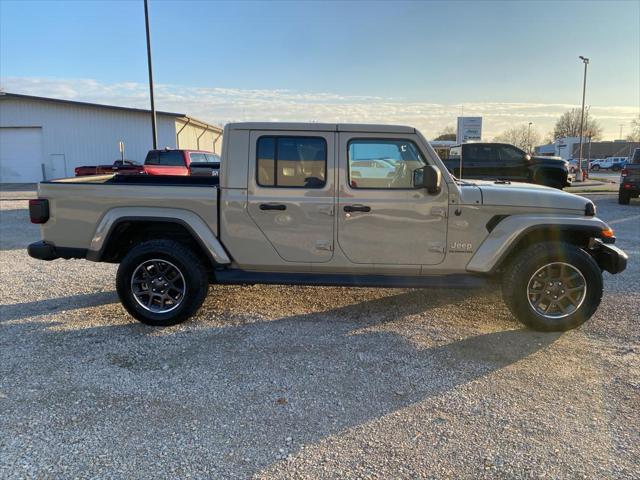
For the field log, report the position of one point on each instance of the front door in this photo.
(291, 192)
(383, 219)
(514, 164)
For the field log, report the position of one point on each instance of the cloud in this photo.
(222, 105)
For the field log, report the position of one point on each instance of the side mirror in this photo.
(428, 177)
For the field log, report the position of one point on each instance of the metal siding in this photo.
(20, 155)
(86, 134)
(189, 137)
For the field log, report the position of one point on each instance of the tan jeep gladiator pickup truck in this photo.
(307, 204)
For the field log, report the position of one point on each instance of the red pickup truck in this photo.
(162, 162)
(181, 162)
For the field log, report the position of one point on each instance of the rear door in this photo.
(384, 219)
(290, 193)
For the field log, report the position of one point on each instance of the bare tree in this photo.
(447, 133)
(568, 125)
(520, 137)
(634, 136)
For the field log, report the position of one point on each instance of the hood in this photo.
(528, 195)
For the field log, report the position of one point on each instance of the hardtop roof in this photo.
(322, 127)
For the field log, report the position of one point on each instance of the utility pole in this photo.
(154, 130)
(621, 125)
(584, 91)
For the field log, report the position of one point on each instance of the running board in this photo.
(242, 277)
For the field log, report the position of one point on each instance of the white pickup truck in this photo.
(293, 205)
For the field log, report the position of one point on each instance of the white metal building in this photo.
(42, 138)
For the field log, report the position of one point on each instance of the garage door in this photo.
(20, 155)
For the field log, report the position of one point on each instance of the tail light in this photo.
(39, 210)
(624, 172)
(77, 171)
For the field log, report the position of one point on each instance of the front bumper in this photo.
(610, 258)
(47, 251)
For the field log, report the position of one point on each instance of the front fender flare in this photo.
(192, 222)
(506, 235)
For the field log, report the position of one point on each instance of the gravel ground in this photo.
(281, 382)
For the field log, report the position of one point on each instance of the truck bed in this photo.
(78, 205)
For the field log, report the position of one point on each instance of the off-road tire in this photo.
(624, 198)
(191, 268)
(595, 168)
(525, 264)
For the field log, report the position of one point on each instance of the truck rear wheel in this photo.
(552, 286)
(624, 198)
(161, 282)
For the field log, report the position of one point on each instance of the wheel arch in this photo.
(515, 233)
(118, 231)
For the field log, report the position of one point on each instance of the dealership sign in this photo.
(469, 128)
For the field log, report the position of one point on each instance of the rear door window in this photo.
(479, 153)
(291, 162)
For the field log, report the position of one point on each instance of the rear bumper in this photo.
(47, 251)
(632, 188)
(610, 258)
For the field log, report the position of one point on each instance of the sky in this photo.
(421, 63)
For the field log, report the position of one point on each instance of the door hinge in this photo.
(439, 212)
(326, 210)
(436, 247)
(324, 245)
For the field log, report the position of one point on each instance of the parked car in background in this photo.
(119, 166)
(181, 162)
(573, 165)
(630, 179)
(161, 162)
(609, 163)
(502, 161)
(374, 168)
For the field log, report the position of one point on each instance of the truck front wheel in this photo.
(161, 282)
(552, 286)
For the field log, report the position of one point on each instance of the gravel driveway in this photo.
(281, 382)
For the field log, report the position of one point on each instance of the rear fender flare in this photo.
(192, 222)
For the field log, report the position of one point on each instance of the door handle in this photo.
(357, 208)
(272, 206)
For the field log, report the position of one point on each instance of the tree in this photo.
(520, 136)
(568, 125)
(634, 136)
(447, 133)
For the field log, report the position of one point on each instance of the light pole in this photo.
(154, 131)
(584, 91)
(529, 137)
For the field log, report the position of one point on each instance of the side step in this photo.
(242, 277)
